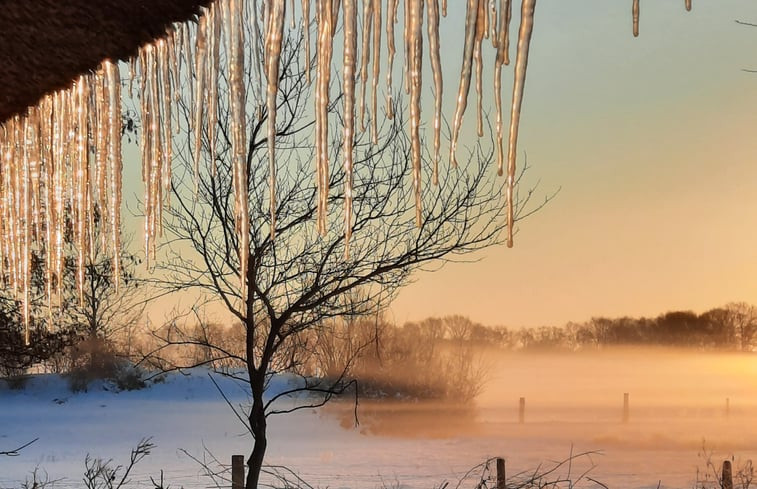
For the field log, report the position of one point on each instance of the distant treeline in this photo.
(731, 327)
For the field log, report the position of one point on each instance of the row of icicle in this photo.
(60, 162)
(63, 157)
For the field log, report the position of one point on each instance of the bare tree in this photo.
(741, 320)
(301, 279)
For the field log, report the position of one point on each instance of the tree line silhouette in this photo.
(730, 327)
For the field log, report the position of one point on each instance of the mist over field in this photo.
(574, 403)
(574, 400)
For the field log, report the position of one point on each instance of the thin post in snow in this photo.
(501, 479)
(727, 482)
(237, 472)
(522, 410)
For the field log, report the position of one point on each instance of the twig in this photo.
(15, 451)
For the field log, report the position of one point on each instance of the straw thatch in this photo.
(46, 44)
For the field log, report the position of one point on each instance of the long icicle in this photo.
(350, 54)
(365, 55)
(323, 80)
(274, 37)
(257, 47)
(26, 216)
(508, 18)
(306, 31)
(376, 69)
(239, 134)
(406, 36)
(521, 65)
(501, 58)
(115, 162)
(481, 30)
(164, 65)
(688, 5)
(436, 69)
(465, 76)
(199, 101)
(493, 23)
(414, 81)
(635, 15)
(391, 20)
(214, 53)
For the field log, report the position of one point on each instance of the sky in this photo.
(650, 141)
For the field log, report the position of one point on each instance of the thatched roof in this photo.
(46, 44)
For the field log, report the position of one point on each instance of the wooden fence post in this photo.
(501, 479)
(522, 410)
(727, 475)
(626, 408)
(237, 472)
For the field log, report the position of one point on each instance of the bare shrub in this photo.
(433, 359)
(95, 359)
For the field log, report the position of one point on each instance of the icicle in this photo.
(414, 81)
(144, 146)
(185, 48)
(376, 69)
(521, 64)
(688, 5)
(501, 58)
(214, 21)
(82, 181)
(101, 139)
(199, 102)
(635, 13)
(174, 67)
(481, 29)
(163, 65)
(257, 85)
(334, 16)
(26, 218)
(406, 34)
(306, 30)
(16, 212)
(493, 31)
(436, 68)
(444, 8)
(157, 150)
(391, 20)
(47, 168)
(465, 76)
(61, 135)
(323, 80)
(350, 54)
(114, 159)
(274, 36)
(33, 145)
(508, 16)
(365, 55)
(239, 132)
(483, 18)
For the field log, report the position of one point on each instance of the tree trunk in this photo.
(258, 427)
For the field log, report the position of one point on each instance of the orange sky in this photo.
(652, 142)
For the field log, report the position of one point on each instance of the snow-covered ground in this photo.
(573, 402)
